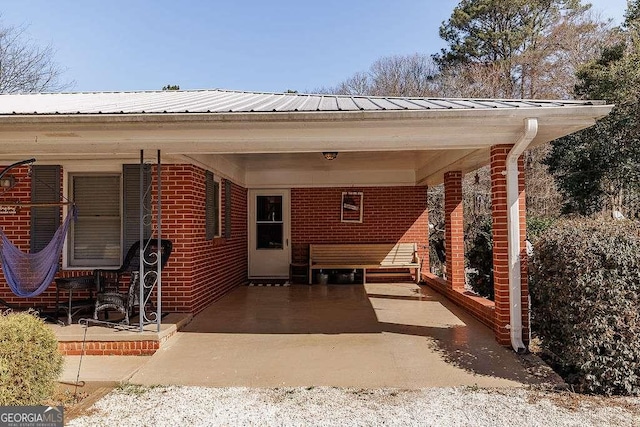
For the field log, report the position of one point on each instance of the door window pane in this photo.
(269, 225)
(269, 236)
(269, 208)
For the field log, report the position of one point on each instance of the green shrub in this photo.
(479, 257)
(30, 362)
(585, 289)
(537, 225)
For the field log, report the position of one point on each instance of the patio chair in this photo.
(109, 280)
(111, 298)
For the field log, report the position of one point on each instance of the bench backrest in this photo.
(385, 254)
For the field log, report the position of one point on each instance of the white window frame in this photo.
(88, 168)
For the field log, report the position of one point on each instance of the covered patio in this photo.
(377, 335)
(228, 151)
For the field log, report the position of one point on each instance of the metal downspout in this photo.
(513, 235)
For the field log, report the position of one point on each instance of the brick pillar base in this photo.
(499, 212)
(454, 229)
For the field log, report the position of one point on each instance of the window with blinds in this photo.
(212, 206)
(96, 235)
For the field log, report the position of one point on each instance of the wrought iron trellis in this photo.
(149, 275)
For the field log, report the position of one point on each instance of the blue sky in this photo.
(256, 45)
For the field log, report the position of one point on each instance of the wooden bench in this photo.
(363, 256)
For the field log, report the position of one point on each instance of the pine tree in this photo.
(598, 169)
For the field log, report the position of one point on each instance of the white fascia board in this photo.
(193, 135)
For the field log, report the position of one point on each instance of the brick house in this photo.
(246, 184)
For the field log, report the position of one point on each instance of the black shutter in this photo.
(45, 188)
(227, 209)
(131, 203)
(210, 206)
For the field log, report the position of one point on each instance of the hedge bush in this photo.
(537, 225)
(479, 252)
(585, 290)
(30, 362)
(479, 257)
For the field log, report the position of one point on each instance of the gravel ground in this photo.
(326, 406)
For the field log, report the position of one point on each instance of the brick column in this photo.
(422, 224)
(499, 212)
(454, 229)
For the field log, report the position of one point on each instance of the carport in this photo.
(225, 151)
(376, 335)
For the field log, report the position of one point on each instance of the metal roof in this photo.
(228, 101)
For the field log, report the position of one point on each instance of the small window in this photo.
(212, 206)
(95, 237)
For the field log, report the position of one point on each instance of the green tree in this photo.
(598, 169)
(171, 87)
(498, 49)
(518, 48)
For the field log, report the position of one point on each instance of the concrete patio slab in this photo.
(101, 369)
(377, 335)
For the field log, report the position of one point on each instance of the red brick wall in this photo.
(199, 270)
(17, 229)
(390, 214)
(480, 308)
(204, 270)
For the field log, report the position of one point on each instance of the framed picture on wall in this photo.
(351, 210)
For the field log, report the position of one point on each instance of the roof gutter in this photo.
(513, 235)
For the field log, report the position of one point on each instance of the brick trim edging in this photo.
(480, 308)
(145, 346)
(109, 348)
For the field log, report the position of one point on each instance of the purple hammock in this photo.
(29, 275)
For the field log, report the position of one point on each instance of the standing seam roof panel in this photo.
(292, 104)
(275, 104)
(228, 102)
(200, 101)
(407, 104)
(347, 104)
(310, 103)
(328, 103)
(248, 104)
(365, 103)
(224, 101)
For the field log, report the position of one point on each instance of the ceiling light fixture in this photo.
(330, 155)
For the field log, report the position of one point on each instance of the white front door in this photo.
(269, 233)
